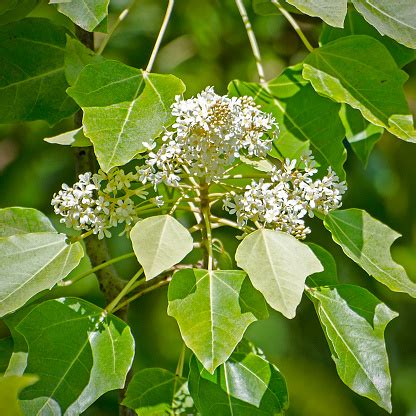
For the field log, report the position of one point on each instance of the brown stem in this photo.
(97, 250)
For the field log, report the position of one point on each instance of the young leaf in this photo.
(87, 14)
(16, 220)
(77, 56)
(10, 387)
(245, 385)
(123, 108)
(159, 243)
(356, 25)
(377, 92)
(78, 352)
(306, 120)
(332, 12)
(33, 256)
(74, 138)
(213, 310)
(367, 241)
(32, 55)
(361, 134)
(271, 259)
(354, 322)
(329, 275)
(151, 391)
(391, 18)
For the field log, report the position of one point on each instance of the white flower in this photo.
(209, 133)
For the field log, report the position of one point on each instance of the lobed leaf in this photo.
(354, 322)
(367, 241)
(213, 309)
(77, 350)
(271, 259)
(245, 385)
(124, 107)
(33, 83)
(159, 243)
(358, 70)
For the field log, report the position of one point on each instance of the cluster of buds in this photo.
(209, 133)
(291, 194)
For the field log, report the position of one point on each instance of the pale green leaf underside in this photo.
(17, 220)
(10, 387)
(392, 18)
(378, 90)
(77, 351)
(271, 259)
(245, 385)
(31, 263)
(32, 85)
(213, 310)
(306, 119)
(123, 108)
(151, 391)
(159, 243)
(74, 138)
(367, 241)
(332, 12)
(354, 322)
(87, 14)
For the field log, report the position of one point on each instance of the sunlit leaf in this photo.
(10, 387)
(306, 119)
(151, 392)
(74, 138)
(378, 90)
(391, 18)
(354, 322)
(245, 385)
(87, 14)
(355, 24)
(271, 259)
(367, 241)
(78, 352)
(33, 84)
(213, 310)
(124, 107)
(159, 243)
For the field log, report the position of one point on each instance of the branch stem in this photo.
(206, 228)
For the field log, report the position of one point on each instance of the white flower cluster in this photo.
(99, 202)
(292, 193)
(209, 133)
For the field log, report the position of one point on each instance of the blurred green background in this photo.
(206, 44)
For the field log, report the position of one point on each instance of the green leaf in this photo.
(245, 385)
(151, 392)
(361, 134)
(159, 243)
(31, 263)
(12, 10)
(87, 14)
(77, 56)
(32, 65)
(306, 120)
(123, 108)
(10, 387)
(74, 138)
(354, 322)
(213, 310)
(392, 18)
(271, 259)
(18, 220)
(356, 25)
(332, 12)
(6, 351)
(329, 276)
(358, 70)
(367, 241)
(78, 352)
